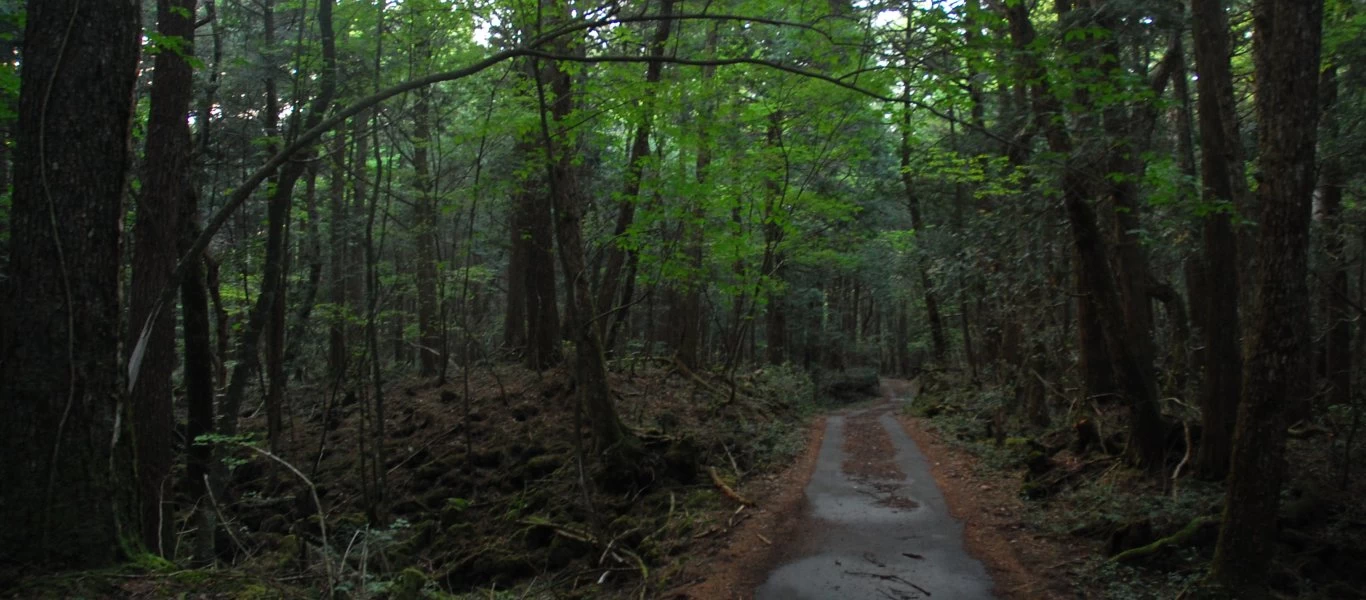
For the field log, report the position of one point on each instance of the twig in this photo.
(317, 504)
(222, 519)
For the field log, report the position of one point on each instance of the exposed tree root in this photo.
(727, 490)
(1175, 539)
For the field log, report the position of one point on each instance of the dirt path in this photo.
(875, 525)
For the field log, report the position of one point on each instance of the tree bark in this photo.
(590, 369)
(199, 390)
(1286, 47)
(1220, 165)
(165, 185)
(66, 500)
(338, 272)
(430, 332)
(1133, 378)
(1337, 347)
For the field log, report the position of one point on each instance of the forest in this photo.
(554, 298)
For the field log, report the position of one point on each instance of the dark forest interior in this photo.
(541, 298)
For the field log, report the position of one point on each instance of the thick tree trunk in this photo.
(68, 470)
(1220, 165)
(1286, 47)
(165, 184)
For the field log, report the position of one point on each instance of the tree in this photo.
(68, 495)
(1221, 171)
(165, 188)
(1286, 49)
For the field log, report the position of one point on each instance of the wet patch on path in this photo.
(875, 527)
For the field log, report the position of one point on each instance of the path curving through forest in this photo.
(875, 524)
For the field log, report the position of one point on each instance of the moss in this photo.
(408, 585)
(192, 577)
(254, 591)
(152, 562)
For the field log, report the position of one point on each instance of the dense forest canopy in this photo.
(220, 216)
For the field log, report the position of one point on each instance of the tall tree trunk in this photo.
(685, 305)
(68, 466)
(199, 390)
(430, 331)
(277, 213)
(1286, 47)
(1133, 378)
(338, 272)
(1220, 165)
(1337, 311)
(635, 171)
(165, 184)
(536, 234)
(310, 253)
(937, 337)
(775, 314)
(590, 369)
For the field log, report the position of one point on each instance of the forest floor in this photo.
(486, 494)
(1051, 520)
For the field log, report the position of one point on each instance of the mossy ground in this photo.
(483, 499)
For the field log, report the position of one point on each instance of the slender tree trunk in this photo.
(1337, 350)
(312, 254)
(775, 314)
(590, 369)
(685, 305)
(1133, 378)
(66, 500)
(338, 235)
(937, 337)
(1286, 47)
(635, 171)
(277, 213)
(165, 185)
(1220, 165)
(199, 389)
(430, 332)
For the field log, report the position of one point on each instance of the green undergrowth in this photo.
(1132, 535)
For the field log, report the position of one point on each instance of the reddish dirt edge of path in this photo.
(1025, 566)
(735, 564)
